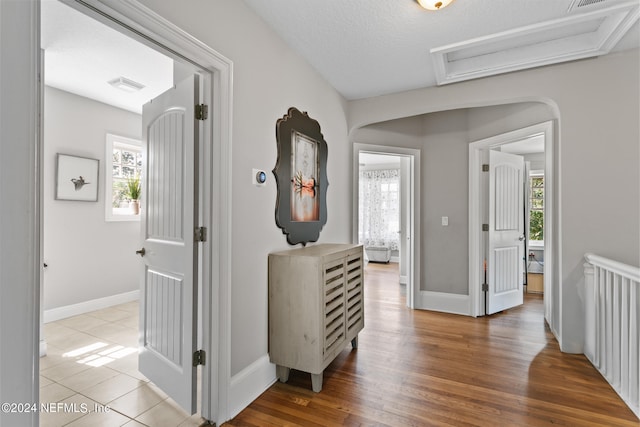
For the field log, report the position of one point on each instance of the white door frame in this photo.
(413, 232)
(475, 214)
(146, 26)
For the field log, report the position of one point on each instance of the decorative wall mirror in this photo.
(301, 177)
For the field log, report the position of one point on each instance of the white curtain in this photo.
(379, 212)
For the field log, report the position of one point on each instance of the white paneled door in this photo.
(168, 298)
(506, 231)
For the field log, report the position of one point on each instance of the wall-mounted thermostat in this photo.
(258, 177)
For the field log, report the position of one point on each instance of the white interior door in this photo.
(168, 297)
(506, 231)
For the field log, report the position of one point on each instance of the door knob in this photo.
(140, 252)
(521, 238)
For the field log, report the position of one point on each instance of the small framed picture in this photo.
(76, 178)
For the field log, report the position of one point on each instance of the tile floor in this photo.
(90, 377)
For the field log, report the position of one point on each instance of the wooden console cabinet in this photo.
(316, 307)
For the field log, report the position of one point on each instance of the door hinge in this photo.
(199, 357)
(202, 112)
(485, 168)
(485, 227)
(485, 287)
(201, 234)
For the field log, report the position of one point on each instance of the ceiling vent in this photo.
(575, 4)
(126, 84)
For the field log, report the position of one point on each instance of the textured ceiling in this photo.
(363, 48)
(374, 47)
(82, 55)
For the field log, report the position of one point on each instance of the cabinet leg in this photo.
(354, 342)
(316, 382)
(283, 373)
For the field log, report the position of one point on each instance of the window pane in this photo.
(125, 162)
(128, 158)
(537, 204)
(536, 226)
(119, 197)
(128, 171)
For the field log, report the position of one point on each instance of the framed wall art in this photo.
(301, 177)
(76, 178)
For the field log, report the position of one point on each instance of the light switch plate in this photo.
(445, 221)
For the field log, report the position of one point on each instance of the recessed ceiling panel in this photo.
(573, 37)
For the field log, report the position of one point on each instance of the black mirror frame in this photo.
(298, 231)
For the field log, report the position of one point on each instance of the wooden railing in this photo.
(612, 324)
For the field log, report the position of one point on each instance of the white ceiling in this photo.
(363, 48)
(82, 55)
(374, 47)
(532, 145)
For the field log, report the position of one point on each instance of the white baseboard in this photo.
(395, 259)
(404, 280)
(446, 303)
(43, 348)
(58, 313)
(250, 383)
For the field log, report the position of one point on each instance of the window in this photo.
(536, 206)
(123, 161)
(379, 210)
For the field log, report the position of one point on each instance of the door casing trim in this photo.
(475, 214)
(143, 24)
(413, 279)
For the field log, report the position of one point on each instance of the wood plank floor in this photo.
(418, 368)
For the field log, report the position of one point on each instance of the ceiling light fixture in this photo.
(434, 4)
(125, 84)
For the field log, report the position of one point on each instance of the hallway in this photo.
(419, 368)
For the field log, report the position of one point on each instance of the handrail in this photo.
(625, 270)
(611, 310)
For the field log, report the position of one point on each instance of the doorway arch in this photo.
(482, 119)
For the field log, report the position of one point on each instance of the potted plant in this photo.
(133, 192)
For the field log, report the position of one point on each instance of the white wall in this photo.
(597, 143)
(268, 79)
(19, 263)
(87, 257)
(405, 132)
(444, 188)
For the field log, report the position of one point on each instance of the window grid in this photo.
(536, 207)
(123, 161)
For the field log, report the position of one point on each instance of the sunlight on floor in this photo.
(109, 355)
(92, 360)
